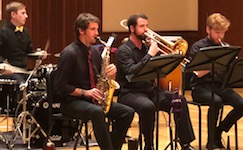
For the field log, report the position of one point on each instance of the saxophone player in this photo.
(76, 82)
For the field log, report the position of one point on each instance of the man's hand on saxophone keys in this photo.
(111, 71)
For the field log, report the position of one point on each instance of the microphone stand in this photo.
(22, 120)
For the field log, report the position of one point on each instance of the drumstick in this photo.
(47, 44)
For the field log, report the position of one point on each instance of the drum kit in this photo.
(20, 98)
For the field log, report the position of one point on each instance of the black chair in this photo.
(55, 116)
(185, 86)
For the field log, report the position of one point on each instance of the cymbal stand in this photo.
(25, 119)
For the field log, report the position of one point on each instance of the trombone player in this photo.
(131, 57)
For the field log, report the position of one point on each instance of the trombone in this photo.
(176, 47)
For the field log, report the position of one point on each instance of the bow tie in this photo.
(20, 29)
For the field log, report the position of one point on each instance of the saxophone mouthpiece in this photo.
(101, 41)
(97, 38)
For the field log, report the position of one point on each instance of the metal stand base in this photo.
(26, 124)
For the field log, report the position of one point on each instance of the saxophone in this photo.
(104, 83)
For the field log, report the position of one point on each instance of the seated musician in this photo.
(15, 44)
(132, 55)
(76, 83)
(216, 27)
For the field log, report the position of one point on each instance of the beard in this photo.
(141, 36)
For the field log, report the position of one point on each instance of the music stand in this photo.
(211, 58)
(158, 66)
(234, 78)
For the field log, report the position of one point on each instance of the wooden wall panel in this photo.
(53, 20)
(232, 10)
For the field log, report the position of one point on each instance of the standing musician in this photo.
(75, 83)
(131, 57)
(201, 82)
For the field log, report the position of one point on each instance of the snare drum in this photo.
(8, 96)
(43, 69)
(37, 84)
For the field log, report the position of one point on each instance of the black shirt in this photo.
(218, 75)
(131, 60)
(14, 46)
(73, 69)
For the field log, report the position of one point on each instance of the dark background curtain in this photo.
(53, 20)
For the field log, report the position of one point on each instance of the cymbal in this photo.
(39, 53)
(14, 69)
(57, 54)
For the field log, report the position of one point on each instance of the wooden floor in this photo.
(164, 129)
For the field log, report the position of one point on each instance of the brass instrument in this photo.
(223, 44)
(105, 84)
(174, 44)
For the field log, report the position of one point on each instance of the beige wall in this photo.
(164, 15)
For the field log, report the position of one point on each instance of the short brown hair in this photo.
(132, 20)
(218, 22)
(83, 20)
(13, 6)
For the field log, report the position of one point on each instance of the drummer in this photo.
(15, 42)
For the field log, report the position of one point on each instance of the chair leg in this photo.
(236, 136)
(200, 127)
(86, 135)
(78, 134)
(221, 114)
(140, 138)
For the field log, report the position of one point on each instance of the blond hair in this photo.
(13, 6)
(218, 22)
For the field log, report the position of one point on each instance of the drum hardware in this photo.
(25, 120)
(4, 138)
(39, 54)
(44, 69)
(37, 84)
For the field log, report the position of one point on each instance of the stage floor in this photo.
(163, 130)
